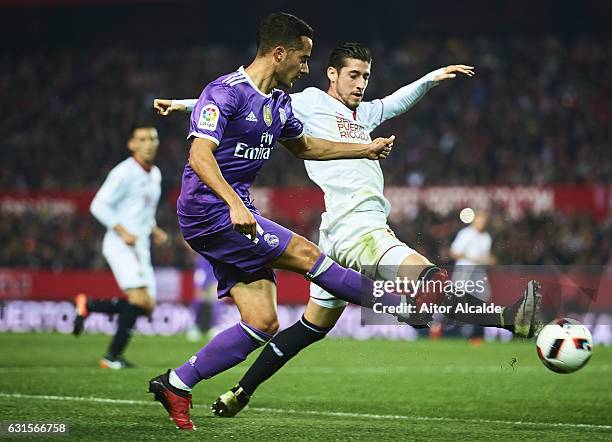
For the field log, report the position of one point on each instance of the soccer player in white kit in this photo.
(354, 230)
(126, 205)
(471, 250)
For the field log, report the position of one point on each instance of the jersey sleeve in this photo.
(371, 113)
(103, 206)
(215, 107)
(376, 112)
(189, 103)
(293, 126)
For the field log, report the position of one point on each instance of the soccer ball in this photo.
(564, 345)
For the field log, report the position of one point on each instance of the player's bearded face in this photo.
(294, 63)
(144, 143)
(349, 84)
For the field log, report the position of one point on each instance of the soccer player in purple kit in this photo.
(233, 128)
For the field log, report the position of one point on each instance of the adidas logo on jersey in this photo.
(251, 117)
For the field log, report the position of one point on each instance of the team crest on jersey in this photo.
(267, 114)
(271, 239)
(209, 117)
(283, 115)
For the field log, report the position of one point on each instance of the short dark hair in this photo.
(281, 29)
(140, 124)
(348, 50)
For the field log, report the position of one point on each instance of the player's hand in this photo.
(159, 236)
(129, 239)
(380, 148)
(165, 107)
(454, 69)
(243, 220)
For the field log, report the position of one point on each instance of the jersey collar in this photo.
(243, 72)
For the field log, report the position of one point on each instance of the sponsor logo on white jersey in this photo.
(351, 130)
(251, 117)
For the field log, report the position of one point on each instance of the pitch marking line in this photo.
(449, 369)
(320, 413)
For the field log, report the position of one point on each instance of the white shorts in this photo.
(131, 266)
(359, 241)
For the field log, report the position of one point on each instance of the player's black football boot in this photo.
(524, 314)
(231, 403)
(416, 320)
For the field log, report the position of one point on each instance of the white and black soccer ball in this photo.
(564, 345)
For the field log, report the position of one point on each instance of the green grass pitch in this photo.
(335, 390)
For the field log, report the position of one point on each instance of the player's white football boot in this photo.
(231, 403)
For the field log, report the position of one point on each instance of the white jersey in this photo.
(129, 196)
(352, 185)
(472, 244)
(348, 184)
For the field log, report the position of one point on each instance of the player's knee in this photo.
(267, 324)
(270, 325)
(146, 305)
(141, 299)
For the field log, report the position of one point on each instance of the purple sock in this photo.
(347, 284)
(228, 348)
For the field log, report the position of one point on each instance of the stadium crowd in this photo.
(37, 240)
(537, 112)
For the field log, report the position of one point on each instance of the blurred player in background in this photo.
(206, 294)
(354, 229)
(471, 250)
(126, 205)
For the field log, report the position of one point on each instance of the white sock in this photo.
(176, 382)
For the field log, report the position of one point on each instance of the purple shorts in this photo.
(235, 258)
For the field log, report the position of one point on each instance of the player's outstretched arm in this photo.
(311, 148)
(165, 106)
(407, 96)
(204, 164)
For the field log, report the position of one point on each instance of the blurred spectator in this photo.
(538, 111)
(36, 240)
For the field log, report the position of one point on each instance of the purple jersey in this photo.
(244, 123)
